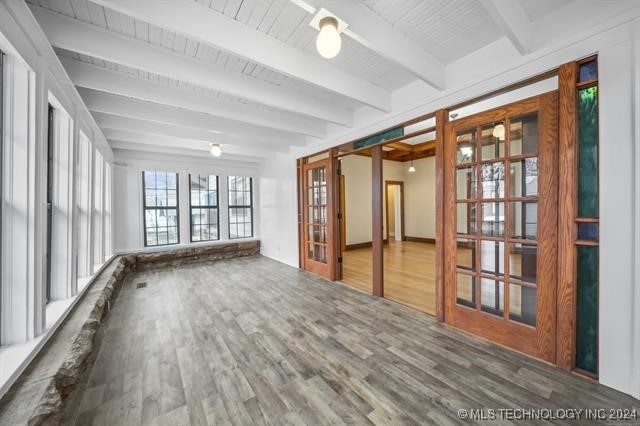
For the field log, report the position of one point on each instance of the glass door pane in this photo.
(317, 214)
(500, 173)
(317, 207)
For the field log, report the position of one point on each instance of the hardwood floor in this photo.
(252, 341)
(409, 273)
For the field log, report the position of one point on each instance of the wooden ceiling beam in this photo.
(425, 146)
(401, 146)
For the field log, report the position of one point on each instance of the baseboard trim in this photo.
(366, 244)
(420, 239)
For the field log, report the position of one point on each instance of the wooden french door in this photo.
(318, 251)
(500, 225)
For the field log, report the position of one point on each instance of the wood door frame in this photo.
(377, 242)
(541, 340)
(387, 184)
(441, 116)
(318, 268)
(338, 219)
(342, 211)
(567, 194)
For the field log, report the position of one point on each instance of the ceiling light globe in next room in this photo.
(215, 150)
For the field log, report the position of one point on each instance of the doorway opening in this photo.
(394, 210)
(408, 169)
(356, 221)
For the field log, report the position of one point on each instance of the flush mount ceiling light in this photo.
(329, 41)
(498, 131)
(216, 149)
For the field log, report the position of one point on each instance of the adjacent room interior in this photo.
(319, 212)
(408, 220)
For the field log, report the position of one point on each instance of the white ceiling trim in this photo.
(204, 24)
(71, 34)
(135, 125)
(151, 143)
(370, 30)
(512, 19)
(144, 150)
(99, 78)
(109, 103)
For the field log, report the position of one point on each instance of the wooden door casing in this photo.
(325, 269)
(538, 341)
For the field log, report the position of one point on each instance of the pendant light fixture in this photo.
(412, 169)
(215, 150)
(328, 42)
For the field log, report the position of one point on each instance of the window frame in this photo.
(208, 207)
(51, 128)
(1, 169)
(230, 206)
(145, 208)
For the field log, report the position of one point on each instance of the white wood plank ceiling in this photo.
(139, 63)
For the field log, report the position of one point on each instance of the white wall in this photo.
(419, 189)
(619, 335)
(279, 211)
(128, 209)
(615, 40)
(357, 181)
(420, 199)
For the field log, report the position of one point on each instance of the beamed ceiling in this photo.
(180, 74)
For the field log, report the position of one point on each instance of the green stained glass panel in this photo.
(587, 309)
(372, 140)
(588, 152)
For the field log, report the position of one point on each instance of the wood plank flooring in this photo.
(253, 341)
(409, 273)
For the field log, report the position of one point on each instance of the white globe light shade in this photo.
(498, 131)
(216, 150)
(328, 42)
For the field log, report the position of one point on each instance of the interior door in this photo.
(318, 244)
(500, 224)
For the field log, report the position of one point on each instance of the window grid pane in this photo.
(160, 201)
(203, 190)
(240, 207)
(496, 218)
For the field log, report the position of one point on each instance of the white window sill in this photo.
(16, 357)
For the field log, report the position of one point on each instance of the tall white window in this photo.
(19, 284)
(205, 216)
(108, 188)
(96, 235)
(83, 188)
(240, 207)
(160, 204)
(59, 176)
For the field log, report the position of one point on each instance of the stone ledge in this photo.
(50, 408)
(53, 385)
(182, 256)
